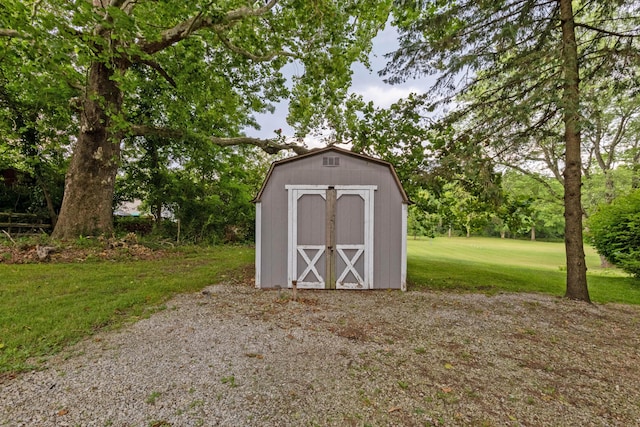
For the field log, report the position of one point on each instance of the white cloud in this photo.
(384, 96)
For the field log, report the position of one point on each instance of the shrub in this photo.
(614, 230)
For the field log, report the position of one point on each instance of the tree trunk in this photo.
(89, 184)
(533, 233)
(576, 266)
(604, 262)
(156, 180)
(635, 177)
(47, 197)
(609, 195)
(609, 187)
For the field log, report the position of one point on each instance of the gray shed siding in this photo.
(309, 170)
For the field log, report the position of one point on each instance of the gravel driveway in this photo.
(237, 356)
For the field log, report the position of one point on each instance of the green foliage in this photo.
(513, 71)
(35, 118)
(45, 307)
(209, 191)
(398, 135)
(423, 217)
(421, 223)
(615, 231)
(185, 73)
(602, 187)
(463, 209)
(532, 200)
(29, 195)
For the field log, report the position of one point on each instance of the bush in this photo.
(615, 232)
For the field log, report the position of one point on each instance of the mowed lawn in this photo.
(494, 265)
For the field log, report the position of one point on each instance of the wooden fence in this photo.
(21, 223)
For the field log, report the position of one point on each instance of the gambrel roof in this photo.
(321, 151)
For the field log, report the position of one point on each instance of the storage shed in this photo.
(331, 219)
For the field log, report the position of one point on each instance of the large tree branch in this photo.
(6, 32)
(185, 28)
(240, 51)
(270, 146)
(158, 68)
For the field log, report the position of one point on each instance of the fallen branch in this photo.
(9, 236)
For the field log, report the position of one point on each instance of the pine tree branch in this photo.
(536, 177)
(607, 32)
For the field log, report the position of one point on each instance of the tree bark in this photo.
(47, 197)
(89, 185)
(635, 177)
(156, 181)
(576, 266)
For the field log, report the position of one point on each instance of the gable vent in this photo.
(331, 161)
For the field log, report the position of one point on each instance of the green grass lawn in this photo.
(45, 307)
(492, 265)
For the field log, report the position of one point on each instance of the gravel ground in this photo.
(237, 356)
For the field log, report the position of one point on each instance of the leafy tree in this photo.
(210, 193)
(428, 161)
(603, 187)
(465, 210)
(514, 216)
(423, 218)
(537, 208)
(33, 129)
(611, 129)
(215, 64)
(615, 232)
(523, 57)
(397, 134)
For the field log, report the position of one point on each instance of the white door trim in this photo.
(294, 192)
(366, 192)
(350, 266)
(319, 283)
(293, 249)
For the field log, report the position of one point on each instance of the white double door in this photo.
(330, 236)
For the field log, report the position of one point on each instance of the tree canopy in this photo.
(207, 67)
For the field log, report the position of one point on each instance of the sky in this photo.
(365, 82)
